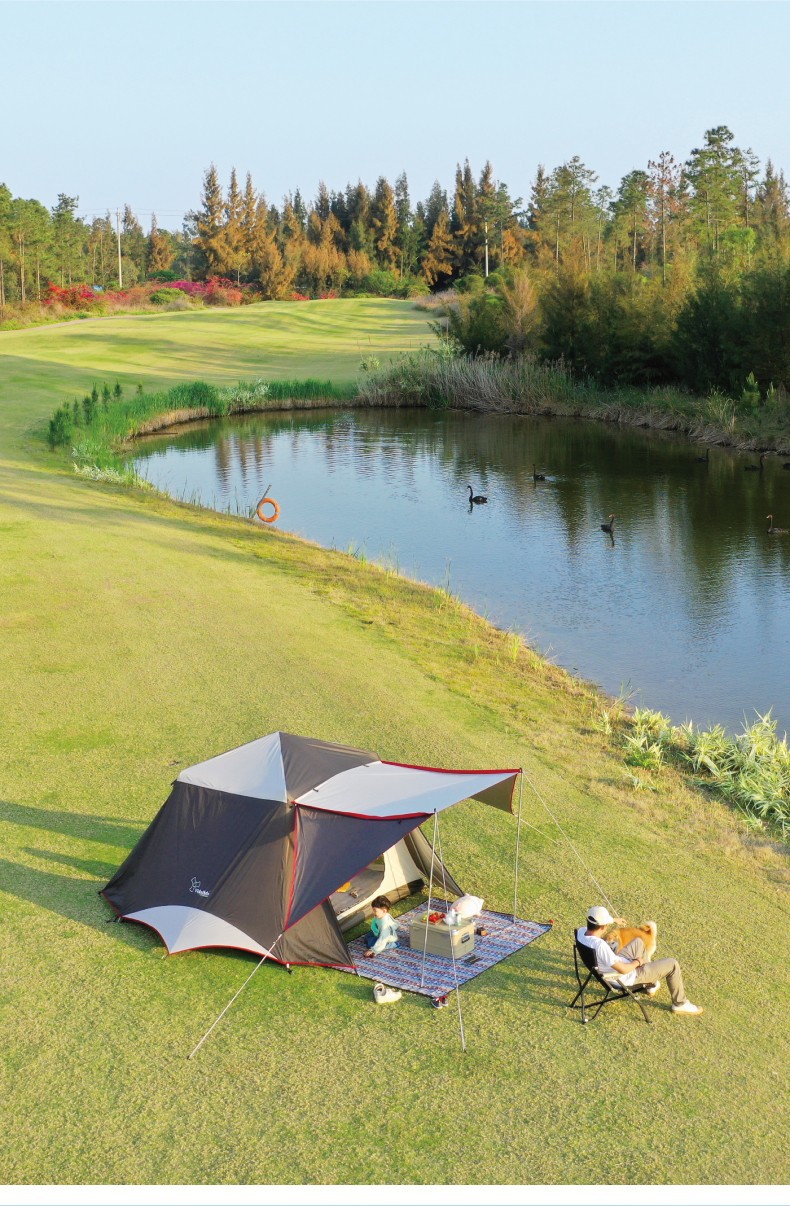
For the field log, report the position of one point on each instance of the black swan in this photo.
(537, 477)
(476, 498)
(703, 460)
(755, 468)
(609, 527)
(772, 531)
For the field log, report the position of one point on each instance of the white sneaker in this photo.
(687, 1007)
(383, 995)
(650, 990)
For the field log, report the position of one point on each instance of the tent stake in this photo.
(230, 1002)
(518, 839)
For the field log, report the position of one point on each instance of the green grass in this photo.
(139, 636)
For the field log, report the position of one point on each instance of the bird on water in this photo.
(703, 460)
(476, 498)
(537, 477)
(755, 468)
(772, 531)
(609, 527)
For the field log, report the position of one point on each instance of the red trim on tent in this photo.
(445, 770)
(515, 772)
(365, 816)
(293, 868)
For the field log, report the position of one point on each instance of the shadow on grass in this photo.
(76, 899)
(95, 868)
(111, 831)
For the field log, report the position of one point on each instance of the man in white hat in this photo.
(631, 964)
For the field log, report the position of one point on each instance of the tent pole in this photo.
(452, 952)
(233, 998)
(430, 890)
(518, 839)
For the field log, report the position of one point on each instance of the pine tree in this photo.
(437, 265)
(210, 224)
(384, 223)
(712, 173)
(160, 255)
(664, 201)
(249, 218)
(234, 252)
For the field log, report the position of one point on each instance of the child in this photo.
(383, 928)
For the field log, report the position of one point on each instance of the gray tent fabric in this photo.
(251, 844)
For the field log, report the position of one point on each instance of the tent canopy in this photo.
(250, 845)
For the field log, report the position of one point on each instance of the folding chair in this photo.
(615, 989)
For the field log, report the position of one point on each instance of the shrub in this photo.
(61, 426)
(161, 297)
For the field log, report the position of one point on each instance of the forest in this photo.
(679, 275)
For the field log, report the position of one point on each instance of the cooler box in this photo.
(445, 940)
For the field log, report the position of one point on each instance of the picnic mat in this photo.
(402, 967)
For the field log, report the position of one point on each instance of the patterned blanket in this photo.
(433, 975)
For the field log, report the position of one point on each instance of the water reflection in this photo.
(688, 600)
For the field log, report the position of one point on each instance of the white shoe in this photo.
(650, 990)
(384, 995)
(687, 1007)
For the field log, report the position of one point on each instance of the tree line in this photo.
(657, 280)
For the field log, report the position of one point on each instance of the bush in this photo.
(61, 426)
(161, 297)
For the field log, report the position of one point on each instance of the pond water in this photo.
(686, 606)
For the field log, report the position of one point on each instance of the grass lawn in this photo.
(139, 636)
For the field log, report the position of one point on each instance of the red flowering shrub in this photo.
(75, 297)
(299, 296)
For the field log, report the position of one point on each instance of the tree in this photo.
(437, 266)
(210, 223)
(712, 173)
(133, 247)
(664, 203)
(629, 210)
(160, 254)
(772, 207)
(464, 221)
(384, 223)
(67, 237)
(234, 251)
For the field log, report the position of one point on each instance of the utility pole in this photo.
(118, 232)
(486, 229)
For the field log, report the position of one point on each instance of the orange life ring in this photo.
(262, 504)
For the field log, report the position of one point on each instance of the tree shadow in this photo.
(96, 868)
(76, 899)
(111, 831)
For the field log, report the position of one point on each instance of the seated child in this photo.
(383, 928)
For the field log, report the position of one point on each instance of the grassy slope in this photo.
(138, 636)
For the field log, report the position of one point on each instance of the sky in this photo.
(130, 101)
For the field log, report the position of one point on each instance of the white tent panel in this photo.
(381, 789)
(185, 929)
(254, 769)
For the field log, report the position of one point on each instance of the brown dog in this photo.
(623, 934)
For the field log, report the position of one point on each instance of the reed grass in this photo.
(750, 769)
(439, 378)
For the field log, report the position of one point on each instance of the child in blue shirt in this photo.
(383, 928)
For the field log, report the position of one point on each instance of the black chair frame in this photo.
(614, 991)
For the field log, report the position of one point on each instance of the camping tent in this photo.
(251, 846)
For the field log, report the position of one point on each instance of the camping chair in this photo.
(615, 990)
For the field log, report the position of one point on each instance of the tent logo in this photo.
(195, 887)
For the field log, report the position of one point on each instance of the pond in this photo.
(685, 607)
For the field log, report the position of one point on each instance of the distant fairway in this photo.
(138, 636)
(325, 339)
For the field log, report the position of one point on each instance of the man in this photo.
(631, 965)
